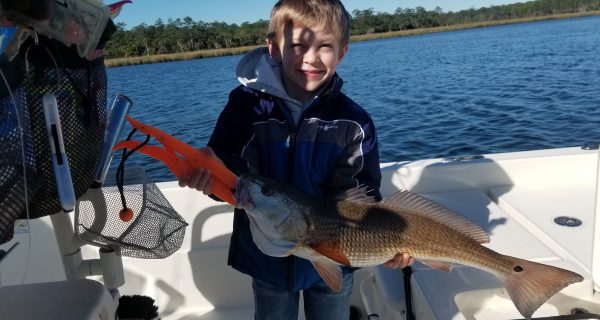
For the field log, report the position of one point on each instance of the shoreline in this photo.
(211, 53)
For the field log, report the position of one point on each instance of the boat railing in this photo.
(596, 234)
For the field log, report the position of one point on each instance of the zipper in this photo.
(291, 154)
(293, 129)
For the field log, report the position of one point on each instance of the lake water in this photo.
(487, 90)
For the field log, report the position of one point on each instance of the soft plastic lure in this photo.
(182, 159)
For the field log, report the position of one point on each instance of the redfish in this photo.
(359, 232)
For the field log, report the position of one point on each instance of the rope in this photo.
(120, 175)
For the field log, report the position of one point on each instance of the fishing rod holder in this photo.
(109, 265)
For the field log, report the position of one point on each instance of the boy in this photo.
(289, 121)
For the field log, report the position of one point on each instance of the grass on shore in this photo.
(209, 53)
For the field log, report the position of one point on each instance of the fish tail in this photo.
(530, 284)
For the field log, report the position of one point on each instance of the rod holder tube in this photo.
(114, 126)
(62, 173)
(68, 244)
(90, 267)
(112, 266)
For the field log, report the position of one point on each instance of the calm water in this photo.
(487, 90)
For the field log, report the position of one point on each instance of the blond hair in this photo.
(330, 14)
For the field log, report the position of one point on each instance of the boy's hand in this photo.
(400, 260)
(200, 179)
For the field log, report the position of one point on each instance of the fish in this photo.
(354, 230)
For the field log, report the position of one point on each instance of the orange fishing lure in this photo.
(181, 159)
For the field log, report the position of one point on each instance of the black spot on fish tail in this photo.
(532, 284)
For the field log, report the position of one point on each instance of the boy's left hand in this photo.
(400, 260)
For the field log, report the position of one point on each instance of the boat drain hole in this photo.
(567, 221)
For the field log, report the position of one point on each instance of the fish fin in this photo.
(357, 195)
(440, 265)
(422, 206)
(331, 274)
(530, 284)
(331, 252)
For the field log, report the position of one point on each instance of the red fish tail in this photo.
(530, 284)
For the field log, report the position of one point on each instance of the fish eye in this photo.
(267, 191)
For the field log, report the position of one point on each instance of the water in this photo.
(487, 90)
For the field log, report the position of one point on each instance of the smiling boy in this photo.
(308, 55)
(290, 121)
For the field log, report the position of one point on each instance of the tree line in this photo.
(185, 35)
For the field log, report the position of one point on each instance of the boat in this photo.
(539, 205)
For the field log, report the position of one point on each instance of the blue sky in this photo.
(238, 11)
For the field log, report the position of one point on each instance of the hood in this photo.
(259, 71)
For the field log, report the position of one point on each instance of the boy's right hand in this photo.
(200, 179)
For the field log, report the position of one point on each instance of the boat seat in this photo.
(75, 299)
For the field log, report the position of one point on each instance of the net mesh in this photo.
(80, 88)
(80, 91)
(16, 163)
(155, 231)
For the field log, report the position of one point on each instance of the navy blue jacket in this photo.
(333, 148)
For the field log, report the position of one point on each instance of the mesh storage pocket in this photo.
(155, 231)
(17, 161)
(80, 89)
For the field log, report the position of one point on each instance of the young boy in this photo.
(290, 121)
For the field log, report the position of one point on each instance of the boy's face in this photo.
(309, 57)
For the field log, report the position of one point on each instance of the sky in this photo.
(239, 11)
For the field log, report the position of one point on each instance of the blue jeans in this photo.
(320, 303)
